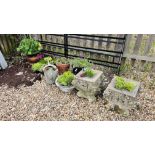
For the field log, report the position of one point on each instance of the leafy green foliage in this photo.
(66, 78)
(29, 46)
(89, 72)
(48, 59)
(121, 84)
(39, 65)
(78, 62)
(62, 60)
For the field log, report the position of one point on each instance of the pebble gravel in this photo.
(43, 102)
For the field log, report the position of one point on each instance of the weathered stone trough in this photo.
(121, 100)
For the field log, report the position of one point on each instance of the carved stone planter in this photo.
(88, 87)
(121, 100)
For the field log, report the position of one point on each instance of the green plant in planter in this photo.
(88, 73)
(66, 78)
(29, 46)
(38, 66)
(121, 84)
(82, 63)
(48, 59)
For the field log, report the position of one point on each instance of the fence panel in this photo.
(138, 47)
(9, 43)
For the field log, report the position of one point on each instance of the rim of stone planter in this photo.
(66, 89)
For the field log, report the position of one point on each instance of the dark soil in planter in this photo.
(11, 78)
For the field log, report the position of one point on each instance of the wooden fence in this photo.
(8, 43)
(139, 47)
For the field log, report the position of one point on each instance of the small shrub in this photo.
(78, 62)
(29, 46)
(66, 78)
(122, 84)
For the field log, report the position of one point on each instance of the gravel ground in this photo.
(46, 102)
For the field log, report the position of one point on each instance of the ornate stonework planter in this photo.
(88, 87)
(121, 100)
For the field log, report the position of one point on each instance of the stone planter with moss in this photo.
(120, 95)
(88, 84)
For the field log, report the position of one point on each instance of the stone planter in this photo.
(121, 100)
(88, 87)
(66, 89)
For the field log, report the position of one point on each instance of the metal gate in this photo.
(115, 54)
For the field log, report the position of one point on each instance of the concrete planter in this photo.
(88, 87)
(121, 100)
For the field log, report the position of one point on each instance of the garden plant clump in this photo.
(37, 67)
(29, 46)
(88, 73)
(122, 84)
(66, 78)
(61, 61)
(82, 63)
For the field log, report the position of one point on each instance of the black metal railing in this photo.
(114, 54)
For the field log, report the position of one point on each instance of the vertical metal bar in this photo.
(66, 45)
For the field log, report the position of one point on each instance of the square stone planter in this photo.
(88, 87)
(121, 100)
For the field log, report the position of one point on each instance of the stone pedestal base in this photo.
(90, 97)
(88, 87)
(120, 100)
